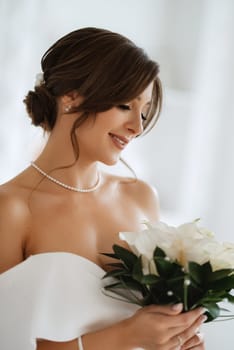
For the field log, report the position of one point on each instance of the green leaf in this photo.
(110, 255)
(210, 299)
(132, 284)
(213, 297)
(165, 268)
(114, 285)
(137, 273)
(127, 257)
(126, 295)
(213, 311)
(149, 279)
(219, 274)
(226, 283)
(230, 298)
(196, 272)
(119, 265)
(207, 269)
(115, 273)
(159, 253)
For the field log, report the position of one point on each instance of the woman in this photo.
(97, 93)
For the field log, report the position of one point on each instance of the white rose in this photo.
(184, 243)
(223, 258)
(143, 243)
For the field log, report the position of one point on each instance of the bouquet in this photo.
(169, 265)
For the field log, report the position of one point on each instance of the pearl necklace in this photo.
(76, 189)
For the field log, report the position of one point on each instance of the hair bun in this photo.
(41, 107)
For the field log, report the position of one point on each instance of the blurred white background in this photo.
(188, 157)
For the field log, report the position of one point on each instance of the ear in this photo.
(71, 98)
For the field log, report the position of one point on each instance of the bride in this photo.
(96, 93)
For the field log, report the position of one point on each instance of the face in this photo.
(104, 138)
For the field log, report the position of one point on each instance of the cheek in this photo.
(109, 119)
(90, 139)
(95, 132)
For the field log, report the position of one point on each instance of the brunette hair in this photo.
(105, 68)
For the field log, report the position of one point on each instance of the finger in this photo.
(188, 338)
(198, 347)
(185, 320)
(163, 309)
(174, 343)
(196, 340)
(183, 338)
(191, 333)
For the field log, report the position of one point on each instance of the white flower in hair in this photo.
(39, 79)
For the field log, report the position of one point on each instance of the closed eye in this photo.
(128, 108)
(124, 107)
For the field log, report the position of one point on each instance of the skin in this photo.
(39, 221)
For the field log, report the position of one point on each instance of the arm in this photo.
(14, 222)
(152, 327)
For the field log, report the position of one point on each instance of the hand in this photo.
(165, 328)
(194, 343)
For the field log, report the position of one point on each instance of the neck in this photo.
(57, 160)
(64, 185)
(68, 184)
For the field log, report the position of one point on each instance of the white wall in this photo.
(189, 155)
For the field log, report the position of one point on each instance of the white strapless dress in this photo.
(56, 296)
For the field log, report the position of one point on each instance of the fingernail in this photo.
(200, 336)
(177, 307)
(203, 310)
(204, 318)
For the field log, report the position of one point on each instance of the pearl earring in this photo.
(67, 108)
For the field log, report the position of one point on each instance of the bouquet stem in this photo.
(186, 285)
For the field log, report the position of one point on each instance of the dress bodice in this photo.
(56, 296)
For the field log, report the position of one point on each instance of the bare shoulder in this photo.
(141, 194)
(14, 224)
(146, 197)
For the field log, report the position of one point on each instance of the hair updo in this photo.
(105, 68)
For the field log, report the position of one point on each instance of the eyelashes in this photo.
(127, 108)
(124, 107)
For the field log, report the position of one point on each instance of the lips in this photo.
(119, 141)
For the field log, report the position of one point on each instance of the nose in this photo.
(135, 125)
